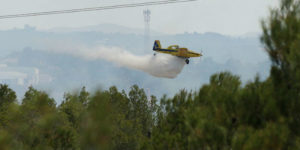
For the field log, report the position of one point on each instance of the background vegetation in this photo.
(221, 115)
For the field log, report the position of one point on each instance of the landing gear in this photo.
(154, 54)
(187, 61)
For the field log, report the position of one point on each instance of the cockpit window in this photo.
(173, 47)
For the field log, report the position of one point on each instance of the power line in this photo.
(93, 9)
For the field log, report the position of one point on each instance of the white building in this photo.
(23, 76)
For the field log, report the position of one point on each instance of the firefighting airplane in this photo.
(176, 51)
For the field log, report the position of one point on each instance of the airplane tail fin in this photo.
(157, 45)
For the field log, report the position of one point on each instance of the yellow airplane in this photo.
(176, 51)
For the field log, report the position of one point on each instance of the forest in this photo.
(222, 115)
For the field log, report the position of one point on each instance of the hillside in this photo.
(35, 49)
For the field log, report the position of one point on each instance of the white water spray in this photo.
(160, 65)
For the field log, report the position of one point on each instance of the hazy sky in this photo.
(230, 17)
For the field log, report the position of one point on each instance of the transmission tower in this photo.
(147, 13)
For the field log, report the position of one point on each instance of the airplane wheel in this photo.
(187, 61)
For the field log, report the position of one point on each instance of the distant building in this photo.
(22, 76)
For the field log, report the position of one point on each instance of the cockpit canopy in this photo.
(173, 47)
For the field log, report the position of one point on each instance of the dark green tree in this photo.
(281, 36)
(7, 97)
(74, 107)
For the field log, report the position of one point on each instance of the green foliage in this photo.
(273, 136)
(7, 96)
(257, 106)
(96, 131)
(281, 39)
(74, 107)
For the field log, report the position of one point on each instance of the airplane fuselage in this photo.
(181, 52)
(176, 51)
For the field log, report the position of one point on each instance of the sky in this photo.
(228, 17)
